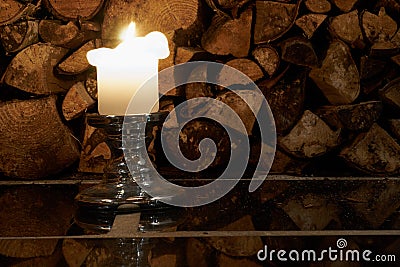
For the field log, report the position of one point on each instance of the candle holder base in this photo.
(119, 193)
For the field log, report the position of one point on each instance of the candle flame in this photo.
(130, 33)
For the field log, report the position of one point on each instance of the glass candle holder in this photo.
(119, 193)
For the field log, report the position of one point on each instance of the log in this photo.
(195, 131)
(95, 152)
(166, 254)
(91, 84)
(396, 59)
(347, 28)
(53, 260)
(390, 93)
(299, 51)
(374, 152)
(285, 164)
(392, 6)
(208, 217)
(395, 127)
(19, 35)
(273, 19)
(31, 70)
(154, 15)
(230, 4)
(74, 9)
(226, 261)
(311, 212)
(375, 202)
(76, 251)
(194, 90)
(344, 5)
(378, 28)
(338, 77)
(187, 54)
(371, 68)
(217, 9)
(76, 102)
(236, 102)
(100, 256)
(311, 137)
(279, 221)
(238, 246)
(309, 23)
(54, 32)
(228, 8)
(77, 62)
(244, 65)
(289, 89)
(357, 117)
(318, 6)
(386, 48)
(229, 36)
(28, 206)
(9, 9)
(198, 254)
(371, 86)
(12, 11)
(35, 142)
(267, 57)
(68, 35)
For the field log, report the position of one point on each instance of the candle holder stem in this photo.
(119, 193)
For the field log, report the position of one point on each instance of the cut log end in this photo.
(374, 152)
(36, 140)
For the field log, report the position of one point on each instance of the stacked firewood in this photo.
(329, 70)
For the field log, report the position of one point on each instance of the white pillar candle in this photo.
(123, 70)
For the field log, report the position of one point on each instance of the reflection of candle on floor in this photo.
(122, 71)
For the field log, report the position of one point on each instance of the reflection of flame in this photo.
(130, 33)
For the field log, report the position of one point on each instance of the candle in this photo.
(123, 70)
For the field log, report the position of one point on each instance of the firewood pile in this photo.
(329, 69)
